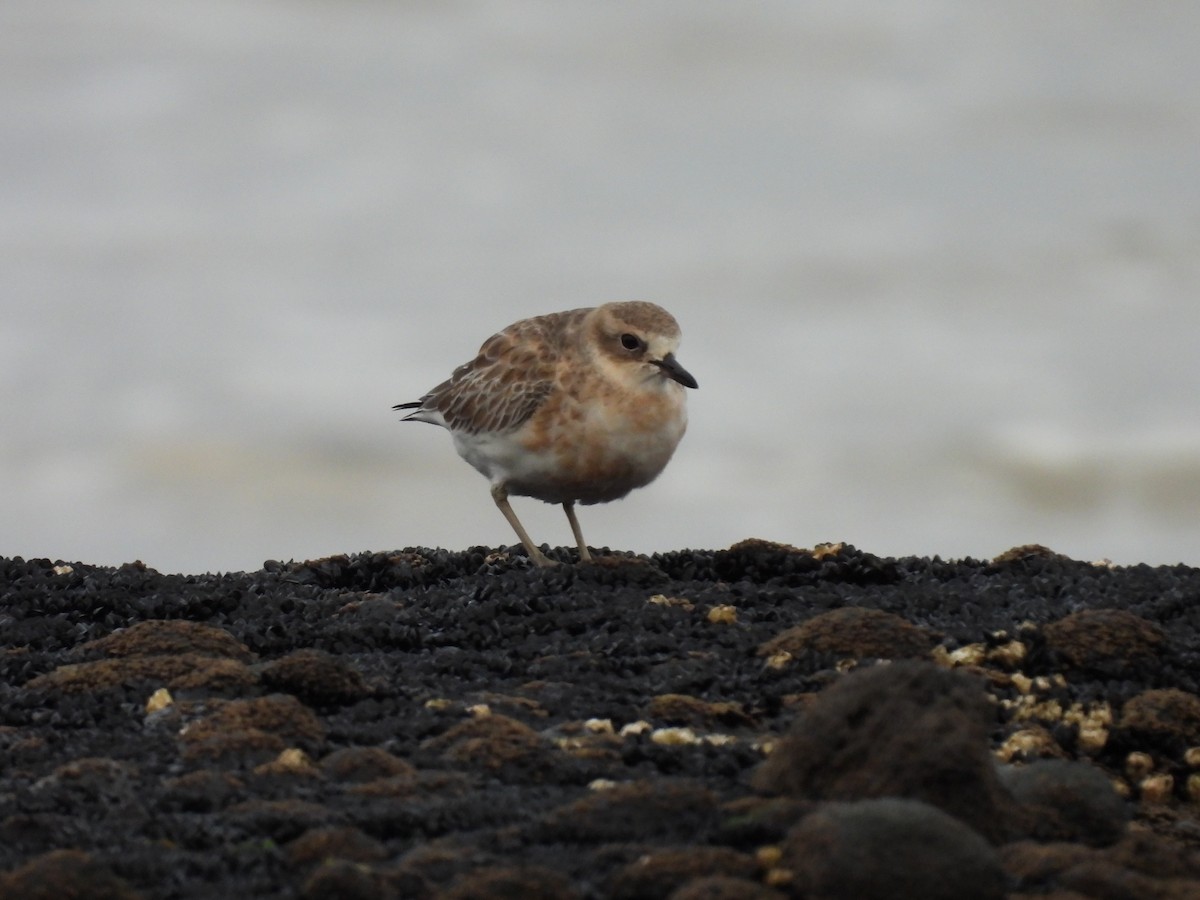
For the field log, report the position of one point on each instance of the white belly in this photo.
(594, 460)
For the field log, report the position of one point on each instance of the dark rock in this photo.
(496, 744)
(187, 671)
(725, 887)
(906, 729)
(1168, 719)
(887, 849)
(1067, 801)
(281, 820)
(1026, 553)
(680, 709)
(1107, 641)
(1038, 863)
(438, 862)
(1171, 850)
(203, 791)
(315, 677)
(657, 874)
(374, 769)
(62, 874)
(341, 879)
(760, 560)
(251, 731)
(87, 782)
(648, 810)
(171, 637)
(768, 562)
(512, 883)
(855, 633)
(1140, 865)
(618, 569)
(364, 764)
(343, 843)
(1103, 880)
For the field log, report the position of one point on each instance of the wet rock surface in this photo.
(762, 721)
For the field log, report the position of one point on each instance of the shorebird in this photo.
(580, 406)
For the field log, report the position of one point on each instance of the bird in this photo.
(581, 406)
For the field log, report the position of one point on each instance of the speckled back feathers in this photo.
(520, 367)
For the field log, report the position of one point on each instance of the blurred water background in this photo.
(936, 265)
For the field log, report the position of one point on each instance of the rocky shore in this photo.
(757, 722)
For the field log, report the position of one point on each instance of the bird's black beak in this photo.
(675, 371)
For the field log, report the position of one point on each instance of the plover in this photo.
(580, 406)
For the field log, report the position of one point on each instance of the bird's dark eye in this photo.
(631, 341)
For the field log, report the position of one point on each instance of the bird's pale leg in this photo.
(500, 495)
(569, 509)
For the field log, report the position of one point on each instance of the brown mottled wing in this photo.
(512, 375)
